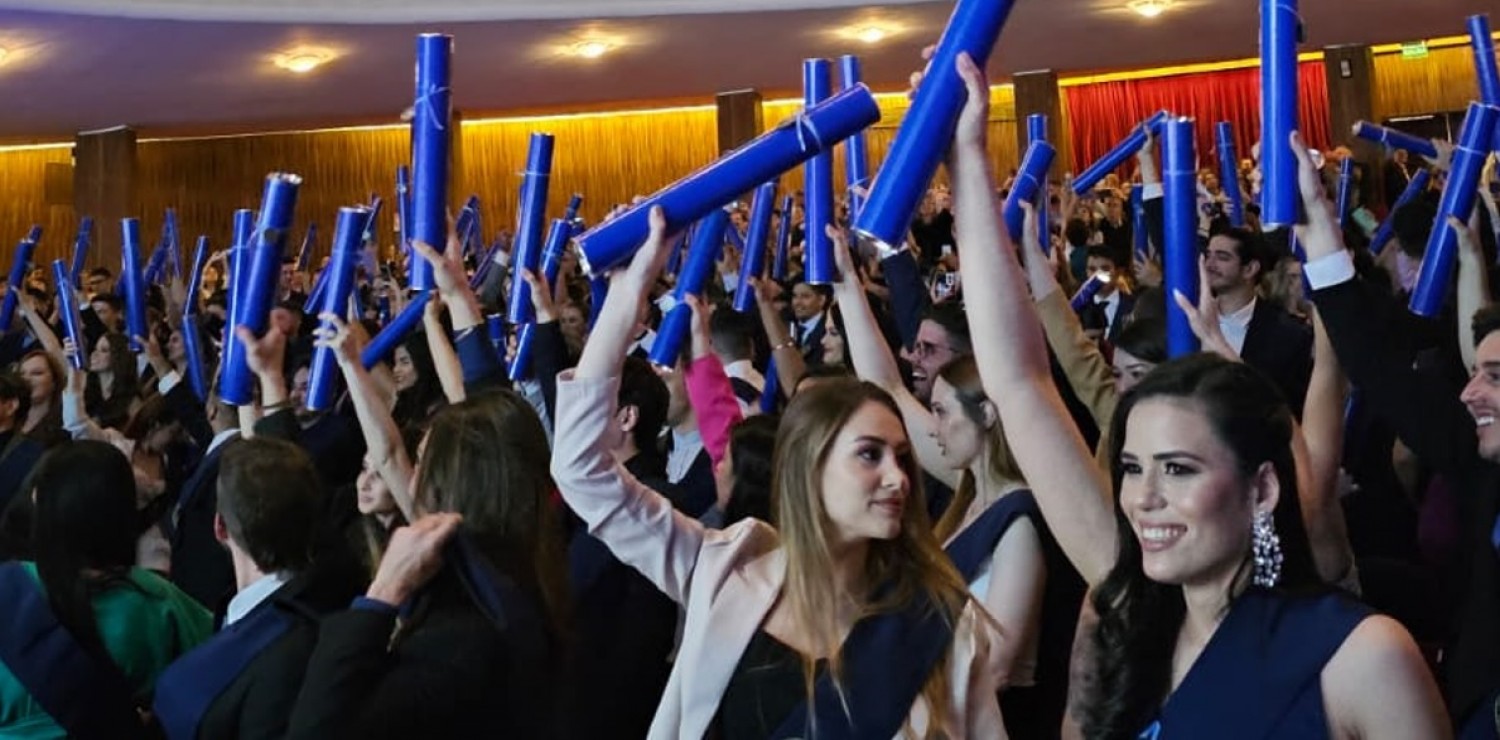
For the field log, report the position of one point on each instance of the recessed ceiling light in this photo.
(1149, 8)
(870, 30)
(591, 49)
(872, 34)
(303, 60)
(4, 52)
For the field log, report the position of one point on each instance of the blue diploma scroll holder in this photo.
(1180, 214)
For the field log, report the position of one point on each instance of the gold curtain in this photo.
(610, 159)
(1002, 134)
(1442, 81)
(23, 191)
(206, 180)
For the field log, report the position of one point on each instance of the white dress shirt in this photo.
(252, 595)
(1236, 325)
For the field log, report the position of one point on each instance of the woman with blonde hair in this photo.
(845, 615)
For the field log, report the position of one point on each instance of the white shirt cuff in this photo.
(1153, 191)
(1329, 270)
(168, 382)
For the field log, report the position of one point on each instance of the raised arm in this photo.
(444, 358)
(639, 525)
(1012, 355)
(1322, 441)
(382, 438)
(40, 328)
(708, 387)
(1090, 375)
(1473, 283)
(790, 364)
(874, 362)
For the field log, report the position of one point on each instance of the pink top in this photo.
(712, 397)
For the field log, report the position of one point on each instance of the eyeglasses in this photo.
(927, 349)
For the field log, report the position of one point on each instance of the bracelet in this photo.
(788, 344)
(277, 406)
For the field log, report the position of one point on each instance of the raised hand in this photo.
(336, 335)
(413, 557)
(542, 298)
(1204, 318)
(1321, 235)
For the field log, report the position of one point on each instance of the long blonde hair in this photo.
(901, 569)
(963, 375)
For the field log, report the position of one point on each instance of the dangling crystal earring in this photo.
(1266, 548)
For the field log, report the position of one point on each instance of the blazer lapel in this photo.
(734, 614)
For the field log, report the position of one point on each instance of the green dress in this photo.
(144, 629)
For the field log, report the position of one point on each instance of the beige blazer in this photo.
(727, 580)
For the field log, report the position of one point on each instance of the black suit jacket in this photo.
(1281, 347)
(258, 703)
(1430, 419)
(200, 565)
(16, 463)
(449, 673)
(623, 632)
(811, 345)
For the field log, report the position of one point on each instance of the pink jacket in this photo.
(712, 397)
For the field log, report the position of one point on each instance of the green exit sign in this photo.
(1417, 50)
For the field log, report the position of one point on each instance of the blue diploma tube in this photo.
(753, 260)
(783, 240)
(156, 265)
(1127, 148)
(1036, 130)
(322, 378)
(818, 266)
(1484, 59)
(612, 243)
(695, 273)
(574, 203)
(1415, 187)
(527, 254)
(384, 343)
(494, 325)
(403, 206)
(520, 366)
(315, 296)
(263, 262)
(174, 247)
(465, 225)
(1459, 195)
(482, 269)
(1088, 290)
(598, 291)
(1279, 27)
(1138, 231)
(304, 252)
(192, 348)
(856, 149)
(1229, 172)
(131, 278)
(1028, 184)
(81, 251)
(771, 390)
(927, 131)
(733, 236)
(67, 305)
(371, 223)
(1393, 139)
(195, 277)
(1346, 180)
(431, 129)
(552, 252)
(1180, 252)
(239, 262)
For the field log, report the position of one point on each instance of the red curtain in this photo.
(1103, 113)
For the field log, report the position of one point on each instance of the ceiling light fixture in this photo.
(872, 34)
(4, 52)
(591, 49)
(303, 60)
(1149, 8)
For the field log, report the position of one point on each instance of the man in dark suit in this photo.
(1266, 337)
(1116, 303)
(1454, 432)
(809, 304)
(244, 681)
(624, 628)
(199, 564)
(18, 453)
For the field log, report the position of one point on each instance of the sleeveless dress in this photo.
(1259, 676)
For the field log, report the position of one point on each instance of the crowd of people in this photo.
(934, 499)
